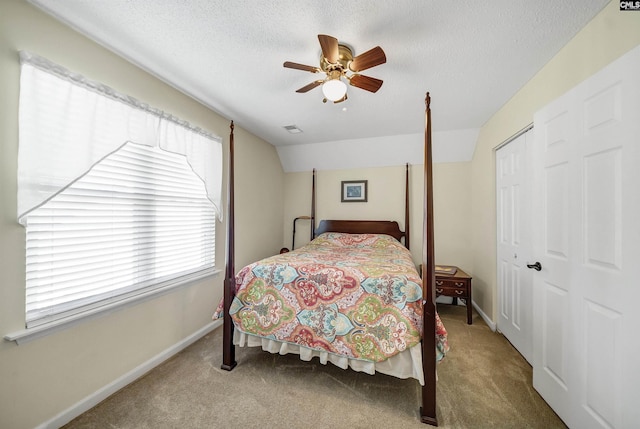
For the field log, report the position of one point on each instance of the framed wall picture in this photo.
(354, 191)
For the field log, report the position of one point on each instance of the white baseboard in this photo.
(489, 322)
(103, 393)
(448, 300)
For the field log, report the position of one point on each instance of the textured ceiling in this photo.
(471, 56)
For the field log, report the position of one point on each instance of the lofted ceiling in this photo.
(472, 56)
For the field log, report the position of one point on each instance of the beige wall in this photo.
(609, 35)
(386, 193)
(259, 199)
(44, 377)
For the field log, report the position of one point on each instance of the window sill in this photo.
(26, 335)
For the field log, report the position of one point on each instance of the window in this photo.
(117, 199)
(137, 219)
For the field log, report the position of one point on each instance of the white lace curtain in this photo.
(74, 123)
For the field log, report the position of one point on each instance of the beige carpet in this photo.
(483, 383)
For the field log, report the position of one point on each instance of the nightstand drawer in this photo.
(451, 283)
(452, 291)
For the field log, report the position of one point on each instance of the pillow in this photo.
(343, 239)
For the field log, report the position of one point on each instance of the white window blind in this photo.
(137, 219)
(118, 199)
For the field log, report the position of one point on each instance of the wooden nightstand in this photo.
(457, 285)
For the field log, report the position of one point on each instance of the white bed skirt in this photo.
(407, 364)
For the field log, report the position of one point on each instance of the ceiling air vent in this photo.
(292, 129)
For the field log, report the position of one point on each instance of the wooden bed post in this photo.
(313, 205)
(228, 349)
(406, 208)
(428, 409)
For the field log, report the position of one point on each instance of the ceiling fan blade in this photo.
(309, 87)
(370, 84)
(329, 47)
(366, 60)
(290, 65)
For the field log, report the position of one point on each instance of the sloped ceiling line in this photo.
(448, 146)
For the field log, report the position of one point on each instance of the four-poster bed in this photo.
(308, 286)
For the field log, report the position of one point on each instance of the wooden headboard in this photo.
(361, 227)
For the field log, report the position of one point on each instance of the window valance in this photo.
(75, 123)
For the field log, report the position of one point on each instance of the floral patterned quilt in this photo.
(356, 295)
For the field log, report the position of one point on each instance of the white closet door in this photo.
(587, 237)
(513, 197)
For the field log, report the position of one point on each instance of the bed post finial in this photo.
(427, 100)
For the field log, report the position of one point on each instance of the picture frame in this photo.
(354, 191)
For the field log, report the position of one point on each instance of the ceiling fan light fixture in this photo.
(340, 66)
(334, 89)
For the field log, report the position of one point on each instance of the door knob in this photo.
(536, 266)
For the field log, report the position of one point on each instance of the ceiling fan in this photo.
(338, 62)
